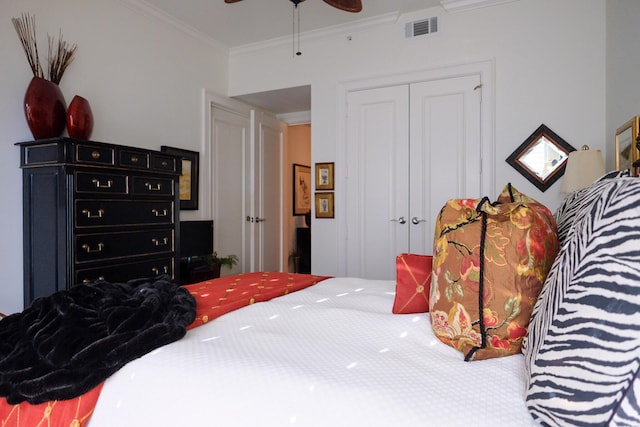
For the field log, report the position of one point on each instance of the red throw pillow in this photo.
(413, 282)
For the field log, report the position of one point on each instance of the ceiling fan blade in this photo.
(231, 1)
(347, 5)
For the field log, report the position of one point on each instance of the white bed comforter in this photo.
(330, 355)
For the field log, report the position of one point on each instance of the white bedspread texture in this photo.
(330, 355)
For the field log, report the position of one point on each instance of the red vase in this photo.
(44, 108)
(79, 118)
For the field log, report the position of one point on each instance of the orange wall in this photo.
(298, 151)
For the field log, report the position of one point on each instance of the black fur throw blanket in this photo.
(65, 344)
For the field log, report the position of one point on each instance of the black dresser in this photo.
(93, 210)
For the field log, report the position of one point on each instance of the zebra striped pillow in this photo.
(572, 207)
(582, 352)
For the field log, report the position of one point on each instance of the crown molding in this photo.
(464, 5)
(297, 118)
(341, 29)
(152, 11)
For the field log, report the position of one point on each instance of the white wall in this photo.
(623, 65)
(549, 60)
(143, 78)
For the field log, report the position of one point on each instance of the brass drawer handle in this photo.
(95, 154)
(87, 281)
(164, 163)
(151, 187)
(98, 184)
(89, 250)
(88, 213)
(163, 242)
(156, 270)
(134, 159)
(158, 213)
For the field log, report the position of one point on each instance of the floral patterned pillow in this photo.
(489, 264)
(511, 194)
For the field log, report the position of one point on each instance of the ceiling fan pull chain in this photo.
(294, 32)
(298, 52)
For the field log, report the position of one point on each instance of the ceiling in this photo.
(253, 21)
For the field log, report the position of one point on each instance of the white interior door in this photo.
(410, 148)
(268, 224)
(230, 135)
(377, 179)
(444, 159)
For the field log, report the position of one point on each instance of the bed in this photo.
(334, 353)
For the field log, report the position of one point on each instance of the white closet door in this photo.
(410, 148)
(230, 135)
(377, 180)
(444, 158)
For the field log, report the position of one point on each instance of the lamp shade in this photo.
(583, 168)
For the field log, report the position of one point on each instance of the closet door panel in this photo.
(444, 160)
(377, 180)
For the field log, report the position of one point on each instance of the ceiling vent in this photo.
(421, 27)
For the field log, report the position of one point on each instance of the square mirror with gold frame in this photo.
(626, 150)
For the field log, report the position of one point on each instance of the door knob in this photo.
(401, 220)
(417, 221)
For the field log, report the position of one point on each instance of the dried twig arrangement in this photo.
(60, 57)
(26, 28)
(60, 53)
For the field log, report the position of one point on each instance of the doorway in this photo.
(298, 223)
(247, 120)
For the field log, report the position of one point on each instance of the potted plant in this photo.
(216, 262)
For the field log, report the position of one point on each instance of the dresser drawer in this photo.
(163, 163)
(105, 213)
(124, 272)
(152, 186)
(134, 159)
(98, 247)
(95, 154)
(91, 182)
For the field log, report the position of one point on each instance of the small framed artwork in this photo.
(324, 176)
(189, 178)
(324, 205)
(301, 189)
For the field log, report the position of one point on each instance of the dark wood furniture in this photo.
(303, 248)
(93, 211)
(194, 271)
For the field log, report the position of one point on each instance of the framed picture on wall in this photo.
(189, 177)
(324, 205)
(301, 189)
(324, 176)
